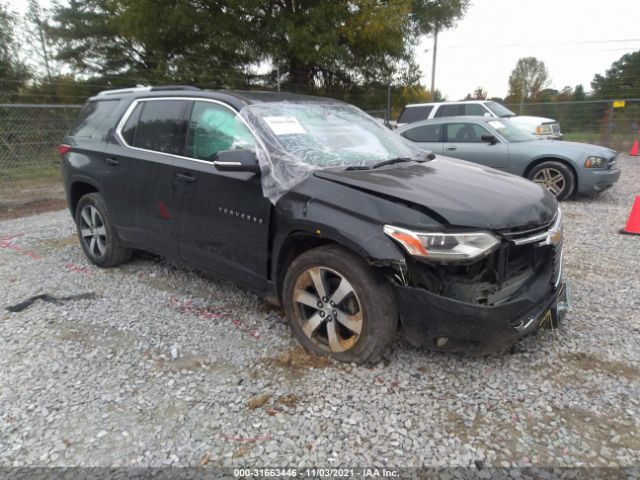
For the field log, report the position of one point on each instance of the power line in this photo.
(546, 44)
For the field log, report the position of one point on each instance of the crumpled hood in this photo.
(463, 193)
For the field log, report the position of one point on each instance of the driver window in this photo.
(213, 128)
(465, 132)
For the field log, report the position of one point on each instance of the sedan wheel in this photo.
(551, 179)
(557, 177)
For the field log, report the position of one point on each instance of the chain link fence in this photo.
(612, 123)
(29, 135)
(29, 170)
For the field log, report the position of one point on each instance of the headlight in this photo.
(595, 162)
(444, 246)
(544, 129)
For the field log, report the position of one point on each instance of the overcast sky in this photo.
(574, 38)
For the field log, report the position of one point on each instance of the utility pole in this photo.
(433, 64)
(278, 77)
(387, 112)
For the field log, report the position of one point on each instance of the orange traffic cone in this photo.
(633, 224)
(634, 149)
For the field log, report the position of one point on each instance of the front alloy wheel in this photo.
(556, 177)
(329, 309)
(339, 306)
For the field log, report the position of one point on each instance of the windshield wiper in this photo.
(392, 161)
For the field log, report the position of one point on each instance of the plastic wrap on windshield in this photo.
(302, 137)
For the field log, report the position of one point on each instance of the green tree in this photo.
(478, 94)
(321, 46)
(13, 73)
(37, 45)
(622, 80)
(527, 79)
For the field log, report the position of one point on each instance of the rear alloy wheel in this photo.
(338, 306)
(96, 234)
(555, 177)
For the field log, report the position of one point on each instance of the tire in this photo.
(556, 177)
(365, 305)
(96, 234)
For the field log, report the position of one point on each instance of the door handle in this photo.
(451, 148)
(112, 161)
(185, 177)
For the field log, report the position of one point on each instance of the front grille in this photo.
(612, 162)
(556, 128)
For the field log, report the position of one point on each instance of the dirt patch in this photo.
(290, 400)
(594, 363)
(57, 243)
(258, 401)
(298, 360)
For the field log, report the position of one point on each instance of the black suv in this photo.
(315, 206)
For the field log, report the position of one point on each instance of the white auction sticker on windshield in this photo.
(496, 124)
(284, 125)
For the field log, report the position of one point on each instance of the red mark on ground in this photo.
(7, 243)
(207, 313)
(164, 211)
(73, 267)
(235, 438)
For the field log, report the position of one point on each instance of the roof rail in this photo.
(174, 87)
(147, 89)
(124, 90)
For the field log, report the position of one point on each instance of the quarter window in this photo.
(425, 133)
(91, 119)
(213, 128)
(465, 132)
(414, 114)
(161, 126)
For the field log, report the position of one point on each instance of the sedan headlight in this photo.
(544, 129)
(444, 246)
(595, 162)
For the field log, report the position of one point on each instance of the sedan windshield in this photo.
(500, 110)
(325, 134)
(510, 131)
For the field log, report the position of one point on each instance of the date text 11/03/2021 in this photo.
(315, 473)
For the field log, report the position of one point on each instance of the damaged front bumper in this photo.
(444, 323)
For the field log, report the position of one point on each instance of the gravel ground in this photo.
(166, 366)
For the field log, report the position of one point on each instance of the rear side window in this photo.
(450, 110)
(413, 114)
(161, 126)
(425, 133)
(129, 130)
(91, 121)
(213, 128)
(465, 132)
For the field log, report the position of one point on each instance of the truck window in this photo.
(161, 126)
(91, 118)
(414, 114)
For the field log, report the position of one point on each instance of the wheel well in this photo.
(294, 246)
(537, 162)
(78, 190)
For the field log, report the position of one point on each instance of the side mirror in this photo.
(237, 161)
(487, 114)
(489, 138)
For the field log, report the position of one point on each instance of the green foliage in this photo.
(317, 46)
(528, 78)
(622, 80)
(13, 73)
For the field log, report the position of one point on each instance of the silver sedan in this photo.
(564, 168)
